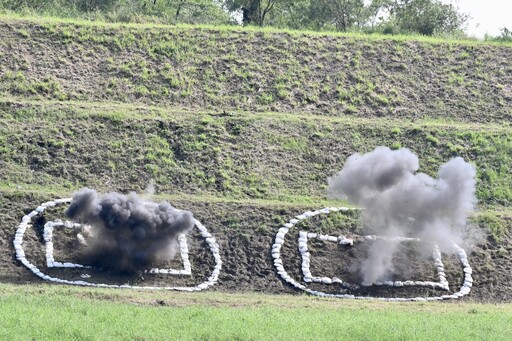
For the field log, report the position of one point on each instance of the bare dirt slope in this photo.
(245, 234)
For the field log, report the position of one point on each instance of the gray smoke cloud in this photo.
(399, 201)
(127, 233)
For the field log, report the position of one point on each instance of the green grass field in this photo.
(61, 313)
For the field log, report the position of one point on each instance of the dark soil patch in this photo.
(247, 262)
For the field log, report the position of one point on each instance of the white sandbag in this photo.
(204, 234)
(280, 235)
(326, 280)
(418, 299)
(276, 247)
(298, 285)
(434, 298)
(467, 284)
(49, 204)
(345, 241)
(81, 239)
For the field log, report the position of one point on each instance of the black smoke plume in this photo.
(398, 201)
(127, 233)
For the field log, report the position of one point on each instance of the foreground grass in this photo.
(59, 312)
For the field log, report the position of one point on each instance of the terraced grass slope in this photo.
(243, 127)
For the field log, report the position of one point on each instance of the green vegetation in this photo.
(425, 17)
(202, 67)
(77, 313)
(216, 154)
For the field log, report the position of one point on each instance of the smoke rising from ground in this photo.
(128, 233)
(397, 201)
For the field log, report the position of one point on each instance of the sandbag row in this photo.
(48, 232)
(308, 277)
(187, 270)
(48, 238)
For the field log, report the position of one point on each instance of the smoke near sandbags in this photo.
(398, 201)
(127, 233)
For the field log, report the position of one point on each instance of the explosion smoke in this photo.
(128, 233)
(397, 201)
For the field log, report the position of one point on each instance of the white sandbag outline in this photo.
(20, 255)
(278, 263)
(308, 277)
(51, 263)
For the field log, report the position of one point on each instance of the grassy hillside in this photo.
(233, 69)
(243, 127)
(228, 154)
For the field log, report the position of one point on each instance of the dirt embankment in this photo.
(245, 234)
